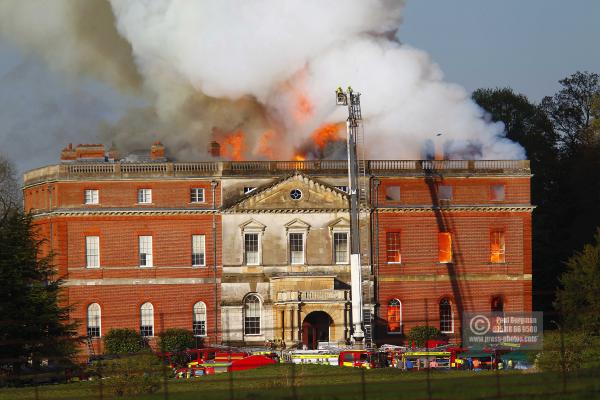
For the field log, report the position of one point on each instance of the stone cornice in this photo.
(459, 277)
(78, 212)
(139, 281)
(477, 208)
(288, 211)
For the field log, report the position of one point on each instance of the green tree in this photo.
(176, 339)
(124, 341)
(33, 321)
(578, 299)
(570, 109)
(9, 189)
(528, 124)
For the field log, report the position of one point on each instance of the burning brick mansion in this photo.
(243, 252)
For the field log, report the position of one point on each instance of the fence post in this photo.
(294, 393)
(100, 383)
(36, 389)
(498, 388)
(427, 337)
(563, 361)
(231, 394)
(363, 383)
(162, 359)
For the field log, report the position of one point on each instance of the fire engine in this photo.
(211, 361)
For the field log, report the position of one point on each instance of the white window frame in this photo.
(92, 243)
(259, 250)
(98, 320)
(91, 196)
(400, 320)
(143, 241)
(197, 195)
(199, 243)
(343, 188)
(203, 312)
(144, 196)
(147, 315)
(294, 232)
(338, 232)
(260, 316)
(451, 315)
(249, 189)
(387, 245)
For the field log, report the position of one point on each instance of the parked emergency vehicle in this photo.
(211, 361)
(362, 359)
(324, 357)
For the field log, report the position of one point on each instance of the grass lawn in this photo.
(324, 382)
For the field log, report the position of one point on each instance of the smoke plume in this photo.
(258, 76)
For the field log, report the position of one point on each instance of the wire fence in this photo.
(384, 373)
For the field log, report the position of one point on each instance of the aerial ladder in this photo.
(351, 100)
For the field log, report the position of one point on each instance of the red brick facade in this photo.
(483, 202)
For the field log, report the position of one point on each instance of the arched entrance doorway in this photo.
(315, 329)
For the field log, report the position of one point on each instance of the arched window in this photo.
(394, 316)
(147, 319)
(93, 320)
(199, 319)
(446, 317)
(252, 311)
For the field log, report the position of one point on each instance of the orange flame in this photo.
(299, 157)
(327, 133)
(264, 146)
(233, 146)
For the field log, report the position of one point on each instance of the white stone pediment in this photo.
(296, 193)
(339, 224)
(252, 225)
(297, 225)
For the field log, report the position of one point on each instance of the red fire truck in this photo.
(211, 361)
(362, 359)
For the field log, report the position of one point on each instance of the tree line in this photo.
(561, 135)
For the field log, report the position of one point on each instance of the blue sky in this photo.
(525, 44)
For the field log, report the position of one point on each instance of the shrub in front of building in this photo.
(124, 341)
(419, 335)
(175, 340)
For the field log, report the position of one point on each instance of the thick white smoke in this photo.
(267, 68)
(277, 51)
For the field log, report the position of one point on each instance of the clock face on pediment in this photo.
(296, 192)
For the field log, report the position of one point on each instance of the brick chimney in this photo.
(157, 151)
(113, 153)
(68, 154)
(214, 149)
(90, 151)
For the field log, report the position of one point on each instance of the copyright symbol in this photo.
(479, 325)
